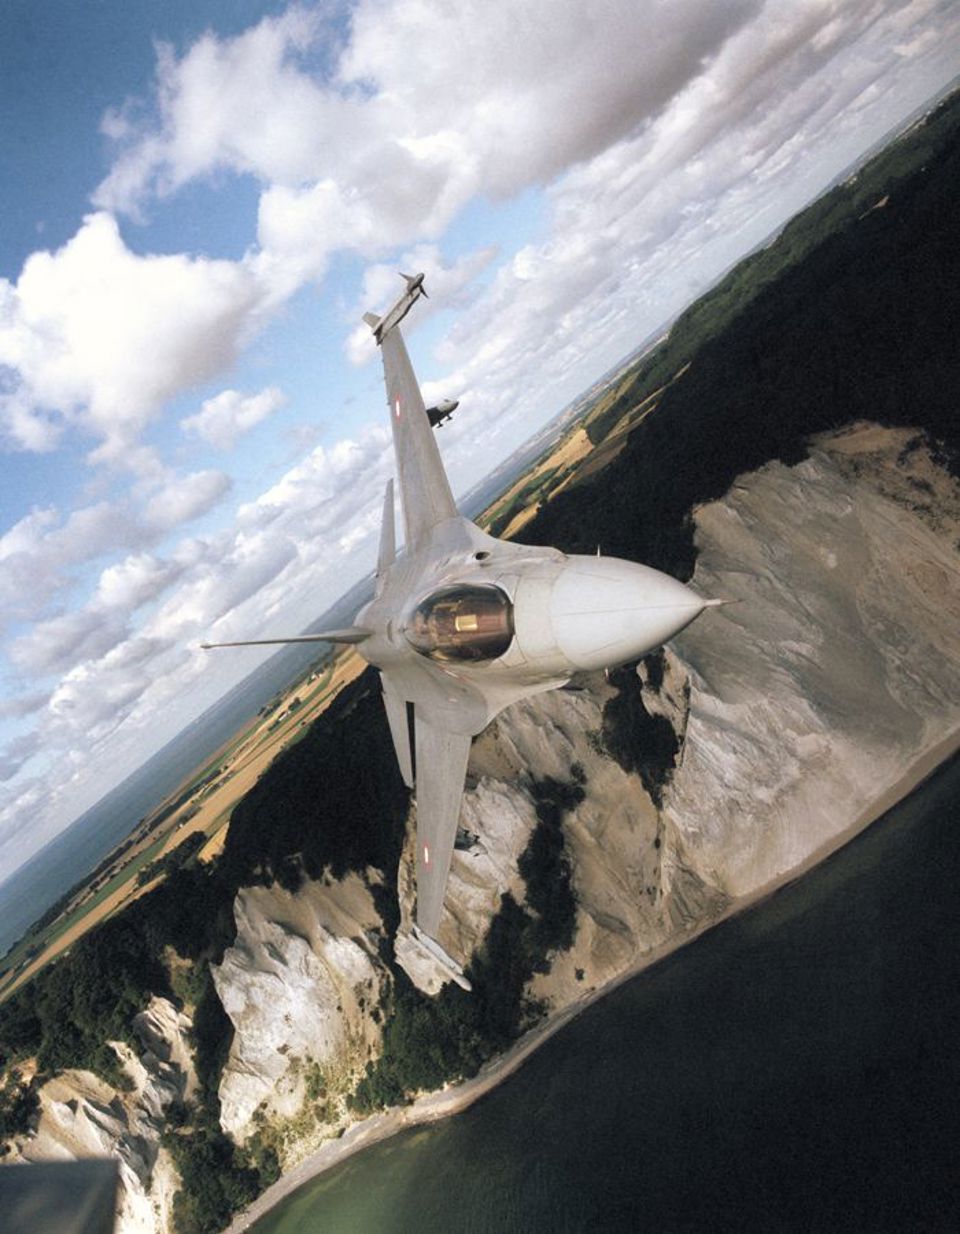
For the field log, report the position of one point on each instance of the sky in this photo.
(199, 201)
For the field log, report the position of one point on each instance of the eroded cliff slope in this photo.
(838, 668)
(82, 1116)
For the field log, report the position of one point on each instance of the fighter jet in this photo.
(462, 625)
(442, 411)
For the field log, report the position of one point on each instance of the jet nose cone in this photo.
(606, 611)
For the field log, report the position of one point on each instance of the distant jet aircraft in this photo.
(462, 625)
(442, 411)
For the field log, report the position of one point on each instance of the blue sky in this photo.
(200, 200)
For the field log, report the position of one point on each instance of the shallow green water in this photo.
(796, 1069)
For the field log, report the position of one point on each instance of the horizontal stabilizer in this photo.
(60, 1197)
(381, 326)
(351, 634)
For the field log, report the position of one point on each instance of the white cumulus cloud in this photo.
(41, 554)
(186, 498)
(424, 107)
(54, 646)
(226, 417)
(98, 338)
(135, 581)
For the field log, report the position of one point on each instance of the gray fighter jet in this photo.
(462, 625)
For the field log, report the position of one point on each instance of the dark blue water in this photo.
(795, 1069)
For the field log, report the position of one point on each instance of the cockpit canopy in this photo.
(470, 622)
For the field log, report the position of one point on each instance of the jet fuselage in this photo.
(472, 623)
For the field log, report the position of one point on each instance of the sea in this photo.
(795, 1069)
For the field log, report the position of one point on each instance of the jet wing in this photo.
(350, 634)
(441, 765)
(424, 489)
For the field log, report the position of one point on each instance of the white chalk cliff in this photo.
(82, 1116)
(837, 670)
(795, 708)
(298, 984)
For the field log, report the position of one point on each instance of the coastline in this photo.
(432, 1107)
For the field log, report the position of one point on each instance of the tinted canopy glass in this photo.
(469, 622)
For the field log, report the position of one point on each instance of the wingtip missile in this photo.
(415, 283)
(414, 290)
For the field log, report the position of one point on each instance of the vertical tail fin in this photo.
(388, 538)
(425, 494)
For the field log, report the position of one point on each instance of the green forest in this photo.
(851, 314)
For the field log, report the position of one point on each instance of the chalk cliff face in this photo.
(839, 667)
(81, 1116)
(298, 985)
(795, 709)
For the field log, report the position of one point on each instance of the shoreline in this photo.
(432, 1107)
